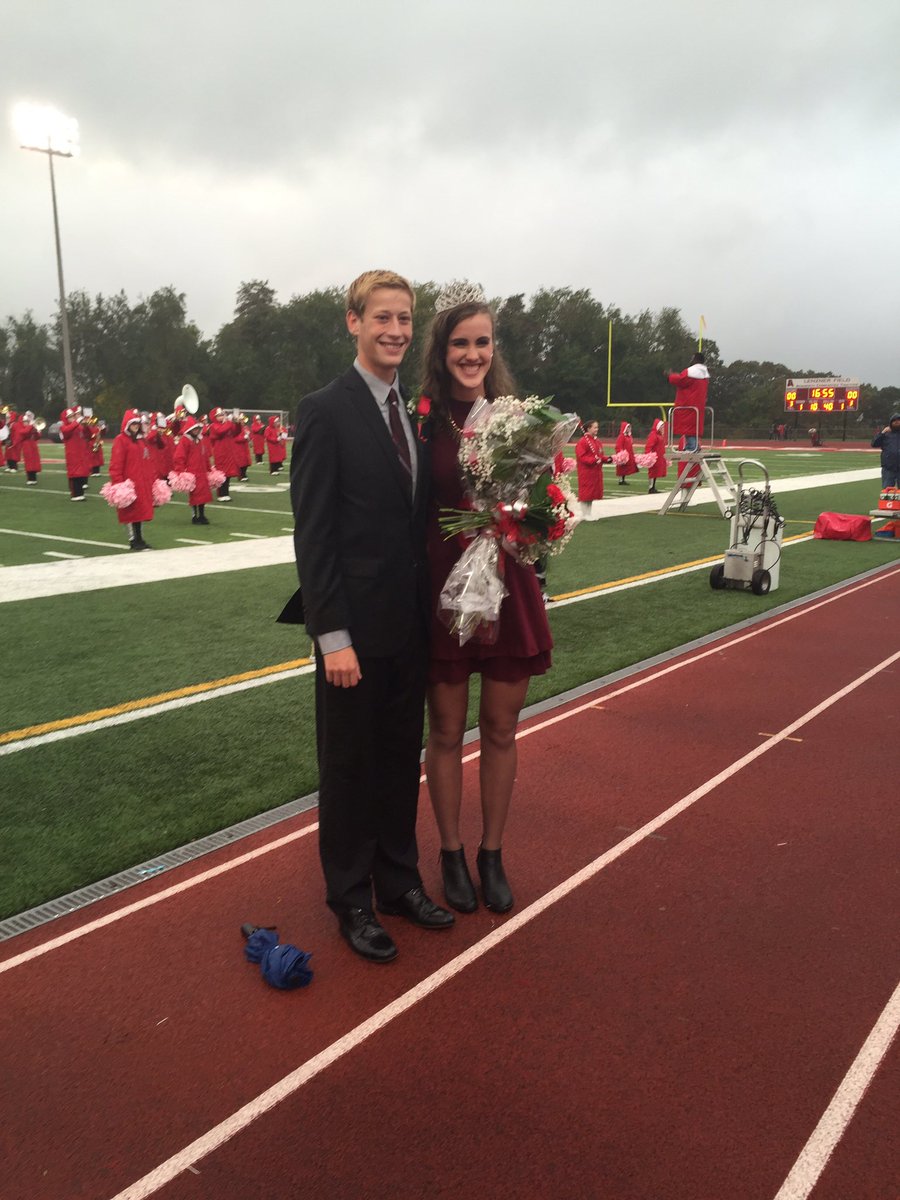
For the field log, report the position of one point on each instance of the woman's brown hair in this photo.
(436, 379)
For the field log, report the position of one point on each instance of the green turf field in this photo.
(76, 810)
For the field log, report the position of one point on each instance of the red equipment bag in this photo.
(843, 527)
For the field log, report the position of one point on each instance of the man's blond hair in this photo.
(362, 288)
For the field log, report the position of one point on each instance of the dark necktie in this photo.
(397, 431)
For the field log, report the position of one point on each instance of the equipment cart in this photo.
(753, 557)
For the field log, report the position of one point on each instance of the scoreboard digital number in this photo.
(821, 395)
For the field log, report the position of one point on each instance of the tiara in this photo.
(457, 292)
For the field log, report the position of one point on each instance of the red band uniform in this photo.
(625, 442)
(130, 459)
(77, 438)
(221, 433)
(192, 454)
(276, 436)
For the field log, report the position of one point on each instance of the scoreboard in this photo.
(822, 394)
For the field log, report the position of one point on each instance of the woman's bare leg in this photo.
(447, 707)
(498, 719)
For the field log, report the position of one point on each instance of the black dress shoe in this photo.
(494, 886)
(416, 907)
(366, 936)
(459, 890)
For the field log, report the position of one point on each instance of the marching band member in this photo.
(590, 458)
(11, 448)
(276, 436)
(241, 446)
(221, 432)
(257, 433)
(130, 461)
(154, 425)
(77, 438)
(29, 435)
(625, 442)
(97, 456)
(656, 444)
(192, 455)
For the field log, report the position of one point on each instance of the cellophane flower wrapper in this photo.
(516, 505)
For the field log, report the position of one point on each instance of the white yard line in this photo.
(35, 580)
(53, 537)
(60, 554)
(216, 1137)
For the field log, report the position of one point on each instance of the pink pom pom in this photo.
(646, 460)
(620, 458)
(119, 495)
(216, 478)
(162, 493)
(182, 481)
(568, 464)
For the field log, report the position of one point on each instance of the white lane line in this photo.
(52, 537)
(256, 536)
(267, 1100)
(193, 542)
(287, 529)
(148, 901)
(59, 554)
(138, 714)
(837, 1116)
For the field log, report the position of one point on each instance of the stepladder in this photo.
(697, 469)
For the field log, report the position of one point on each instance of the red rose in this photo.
(423, 408)
(555, 494)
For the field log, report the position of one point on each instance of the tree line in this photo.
(271, 353)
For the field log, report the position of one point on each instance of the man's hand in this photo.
(342, 667)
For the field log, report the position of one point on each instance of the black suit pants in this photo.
(369, 741)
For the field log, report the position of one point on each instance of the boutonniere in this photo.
(421, 410)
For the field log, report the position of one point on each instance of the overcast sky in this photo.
(736, 160)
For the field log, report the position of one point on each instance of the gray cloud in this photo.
(740, 161)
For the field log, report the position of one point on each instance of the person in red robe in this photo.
(689, 409)
(192, 455)
(241, 447)
(656, 444)
(29, 436)
(130, 459)
(257, 433)
(590, 458)
(276, 436)
(222, 432)
(154, 425)
(97, 456)
(625, 444)
(12, 445)
(76, 436)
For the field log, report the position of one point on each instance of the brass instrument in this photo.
(40, 424)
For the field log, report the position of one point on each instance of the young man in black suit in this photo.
(359, 491)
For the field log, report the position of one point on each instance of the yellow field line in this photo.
(15, 735)
(698, 562)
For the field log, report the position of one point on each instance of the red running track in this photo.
(705, 864)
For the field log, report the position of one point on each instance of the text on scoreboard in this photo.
(824, 394)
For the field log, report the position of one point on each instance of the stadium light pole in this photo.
(47, 131)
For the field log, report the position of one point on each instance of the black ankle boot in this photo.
(494, 887)
(459, 890)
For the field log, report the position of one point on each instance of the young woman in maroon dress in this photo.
(461, 365)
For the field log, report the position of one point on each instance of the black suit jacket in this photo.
(359, 533)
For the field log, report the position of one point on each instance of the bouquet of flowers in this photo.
(517, 506)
